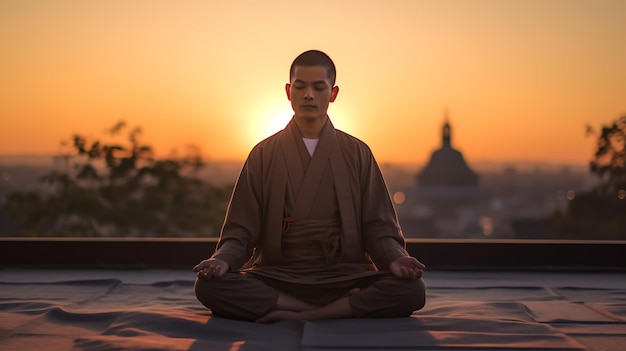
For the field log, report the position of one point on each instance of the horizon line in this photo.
(380, 161)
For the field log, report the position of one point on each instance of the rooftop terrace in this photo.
(79, 294)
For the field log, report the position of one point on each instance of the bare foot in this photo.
(289, 303)
(336, 309)
(352, 292)
(278, 315)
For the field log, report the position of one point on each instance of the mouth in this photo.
(308, 106)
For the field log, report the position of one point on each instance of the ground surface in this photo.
(155, 309)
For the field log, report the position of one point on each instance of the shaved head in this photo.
(315, 58)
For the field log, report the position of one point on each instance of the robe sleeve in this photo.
(242, 223)
(382, 235)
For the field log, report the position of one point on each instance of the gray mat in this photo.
(152, 310)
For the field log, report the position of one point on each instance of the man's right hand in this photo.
(211, 268)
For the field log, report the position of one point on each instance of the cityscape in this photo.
(444, 198)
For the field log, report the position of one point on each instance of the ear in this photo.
(287, 88)
(333, 93)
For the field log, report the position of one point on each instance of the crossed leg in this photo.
(247, 297)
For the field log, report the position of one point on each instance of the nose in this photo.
(308, 93)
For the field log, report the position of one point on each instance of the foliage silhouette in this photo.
(610, 157)
(601, 212)
(121, 189)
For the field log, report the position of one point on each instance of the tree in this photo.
(609, 163)
(117, 189)
(601, 212)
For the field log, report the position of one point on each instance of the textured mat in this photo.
(151, 310)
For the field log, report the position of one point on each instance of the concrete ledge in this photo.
(435, 253)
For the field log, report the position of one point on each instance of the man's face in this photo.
(310, 92)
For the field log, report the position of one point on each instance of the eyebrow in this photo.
(314, 83)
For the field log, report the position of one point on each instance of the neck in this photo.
(311, 128)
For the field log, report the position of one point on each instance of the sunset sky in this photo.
(520, 79)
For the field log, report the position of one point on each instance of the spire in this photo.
(446, 130)
(446, 166)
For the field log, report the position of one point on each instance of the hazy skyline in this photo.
(519, 79)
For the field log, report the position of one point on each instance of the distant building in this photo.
(447, 200)
(446, 167)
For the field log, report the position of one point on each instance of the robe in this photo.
(310, 220)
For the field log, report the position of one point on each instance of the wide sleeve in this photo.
(382, 234)
(242, 223)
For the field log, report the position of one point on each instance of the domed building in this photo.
(447, 201)
(446, 167)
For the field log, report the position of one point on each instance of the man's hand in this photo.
(407, 267)
(211, 268)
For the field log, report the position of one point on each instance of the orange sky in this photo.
(520, 79)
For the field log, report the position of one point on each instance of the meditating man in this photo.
(310, 230)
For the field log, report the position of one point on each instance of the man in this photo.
(310, 230)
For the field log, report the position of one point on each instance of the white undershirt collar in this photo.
(310, 144)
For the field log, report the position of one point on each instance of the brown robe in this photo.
(311, 220)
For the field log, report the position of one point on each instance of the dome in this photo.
(446, 167)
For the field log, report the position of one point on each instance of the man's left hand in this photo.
(407, 267)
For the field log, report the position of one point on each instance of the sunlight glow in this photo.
(236, 346)
(267, 120)
(214, 75)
